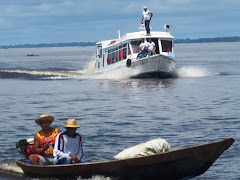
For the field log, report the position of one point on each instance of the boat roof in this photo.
(135, 35)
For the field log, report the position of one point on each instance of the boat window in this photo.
(125, 53)
(117, 53)
(166, 46)
(116, 56)
(120, 54)
(110, 57)
(135, 45)
(99, 51)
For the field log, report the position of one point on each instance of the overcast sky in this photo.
(53, 21)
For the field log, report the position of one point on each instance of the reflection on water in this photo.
(139, 83)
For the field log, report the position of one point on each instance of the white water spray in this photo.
(11, 167)
(190, 71)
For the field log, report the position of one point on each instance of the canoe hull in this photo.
(182, 163)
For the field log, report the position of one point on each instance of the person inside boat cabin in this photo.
(146, 18)
(68, 145)
(143, 49)
(44, 141)
(151, 47)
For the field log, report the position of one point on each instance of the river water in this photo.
(201, 104)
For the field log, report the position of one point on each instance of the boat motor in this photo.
(24, 146)
(21, 146)
(166, 27)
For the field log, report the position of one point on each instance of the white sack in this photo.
(144, 149)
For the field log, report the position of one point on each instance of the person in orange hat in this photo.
(68, 145)
(44, 141)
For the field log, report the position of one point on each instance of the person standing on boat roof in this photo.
(44, 141)
(68, 145)
(146, 18)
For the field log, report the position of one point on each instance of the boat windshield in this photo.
(166, 46)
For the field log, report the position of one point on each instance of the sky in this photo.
(56, 21)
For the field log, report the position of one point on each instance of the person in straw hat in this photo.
(44, 141)
(68, 145)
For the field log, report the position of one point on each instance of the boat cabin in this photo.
(114, 51)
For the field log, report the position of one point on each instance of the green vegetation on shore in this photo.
(32, 55)
(84, 44)
(209, 40)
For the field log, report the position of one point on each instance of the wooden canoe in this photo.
(183, 163)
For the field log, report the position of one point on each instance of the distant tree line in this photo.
(51, 45)
(187, 40)
(207, 40)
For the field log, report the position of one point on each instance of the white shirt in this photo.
(65, 145)
(143, 45)
(151, 46)
(146, 15)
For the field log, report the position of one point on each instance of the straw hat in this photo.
(71, 123)
(44, 117)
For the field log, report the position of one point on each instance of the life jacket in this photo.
(49, 139)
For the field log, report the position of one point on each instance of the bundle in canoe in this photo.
(182, 163)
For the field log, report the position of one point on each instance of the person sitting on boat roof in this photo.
(146, 18)
(143, 49)
(151, 47)
(44, 141)
(68, 145)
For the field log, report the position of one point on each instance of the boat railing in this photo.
(142, 27)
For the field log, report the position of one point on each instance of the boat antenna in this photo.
(119, 36)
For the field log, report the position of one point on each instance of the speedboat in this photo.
(121, 55)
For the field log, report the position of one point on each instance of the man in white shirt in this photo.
(68, 145)
(146, 18)
(143, 49)
(151, 47)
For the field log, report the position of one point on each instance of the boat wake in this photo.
(11, 166)
(116, 74)
(47, 74)
(183, 72)
(37, 73)
(191, 71)
(10, 169)
(88, 73)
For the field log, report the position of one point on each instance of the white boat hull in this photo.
(156, 66)
(153, 66)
